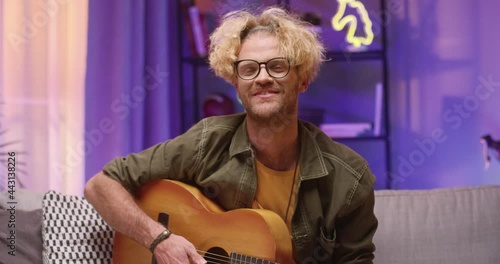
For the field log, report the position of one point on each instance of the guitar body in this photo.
(249, 235)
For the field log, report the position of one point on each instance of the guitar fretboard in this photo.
(240, 258)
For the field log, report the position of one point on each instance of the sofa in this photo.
(440, 226)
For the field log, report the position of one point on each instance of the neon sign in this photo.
(339, 21)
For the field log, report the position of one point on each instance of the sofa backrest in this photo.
(450, 225)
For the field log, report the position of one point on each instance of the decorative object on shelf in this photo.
(489, 143)
(340, 21)
(217, 104)
(346, 130)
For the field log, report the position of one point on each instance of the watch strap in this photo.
(162, 236)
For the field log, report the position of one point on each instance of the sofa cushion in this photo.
(73, 231)
(453, 225)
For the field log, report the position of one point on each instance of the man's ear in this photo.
(304, 84)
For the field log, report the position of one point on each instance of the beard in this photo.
(264, 110)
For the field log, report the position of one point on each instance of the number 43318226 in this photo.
(11, 172)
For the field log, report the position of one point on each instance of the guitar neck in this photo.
(220, 257)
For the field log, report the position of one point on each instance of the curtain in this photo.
(42, 73)
(127, 82)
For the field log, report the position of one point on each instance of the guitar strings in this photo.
(216, 258)
(212, 256)
(209, 257)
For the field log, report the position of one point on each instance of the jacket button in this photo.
(250, 162)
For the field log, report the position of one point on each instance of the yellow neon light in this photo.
(339, 22)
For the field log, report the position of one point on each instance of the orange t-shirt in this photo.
(273, 191)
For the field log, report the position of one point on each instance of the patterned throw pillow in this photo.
(73, 232)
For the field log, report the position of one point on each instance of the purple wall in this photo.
(444, 91)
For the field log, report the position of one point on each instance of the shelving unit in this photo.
(343, 91)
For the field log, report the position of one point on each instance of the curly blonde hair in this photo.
(298, 42)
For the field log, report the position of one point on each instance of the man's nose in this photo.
(263, 76)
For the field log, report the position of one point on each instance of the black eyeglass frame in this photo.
(265, 66)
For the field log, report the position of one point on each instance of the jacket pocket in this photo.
(327, 240)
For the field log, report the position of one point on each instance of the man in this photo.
(265, 158)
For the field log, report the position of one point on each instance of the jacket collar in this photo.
(312, 163)
(240, 142)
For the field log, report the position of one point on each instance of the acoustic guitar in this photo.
(235, 236)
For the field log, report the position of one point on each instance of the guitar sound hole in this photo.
(217, 255)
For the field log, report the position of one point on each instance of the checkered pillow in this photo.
(73, 232)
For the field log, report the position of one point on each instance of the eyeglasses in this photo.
(250, 69)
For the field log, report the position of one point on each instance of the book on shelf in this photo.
(200, 34)
(188, 28)
(379, 100)
(338, 130)
(198, 27)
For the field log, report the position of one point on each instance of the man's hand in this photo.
(177, 249)
(119, 209)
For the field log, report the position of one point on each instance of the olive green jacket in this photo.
(333, 221)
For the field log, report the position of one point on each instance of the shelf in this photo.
(334, 56)
(348, 56)
(360, 138)
(200, 61)
(338, 83)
